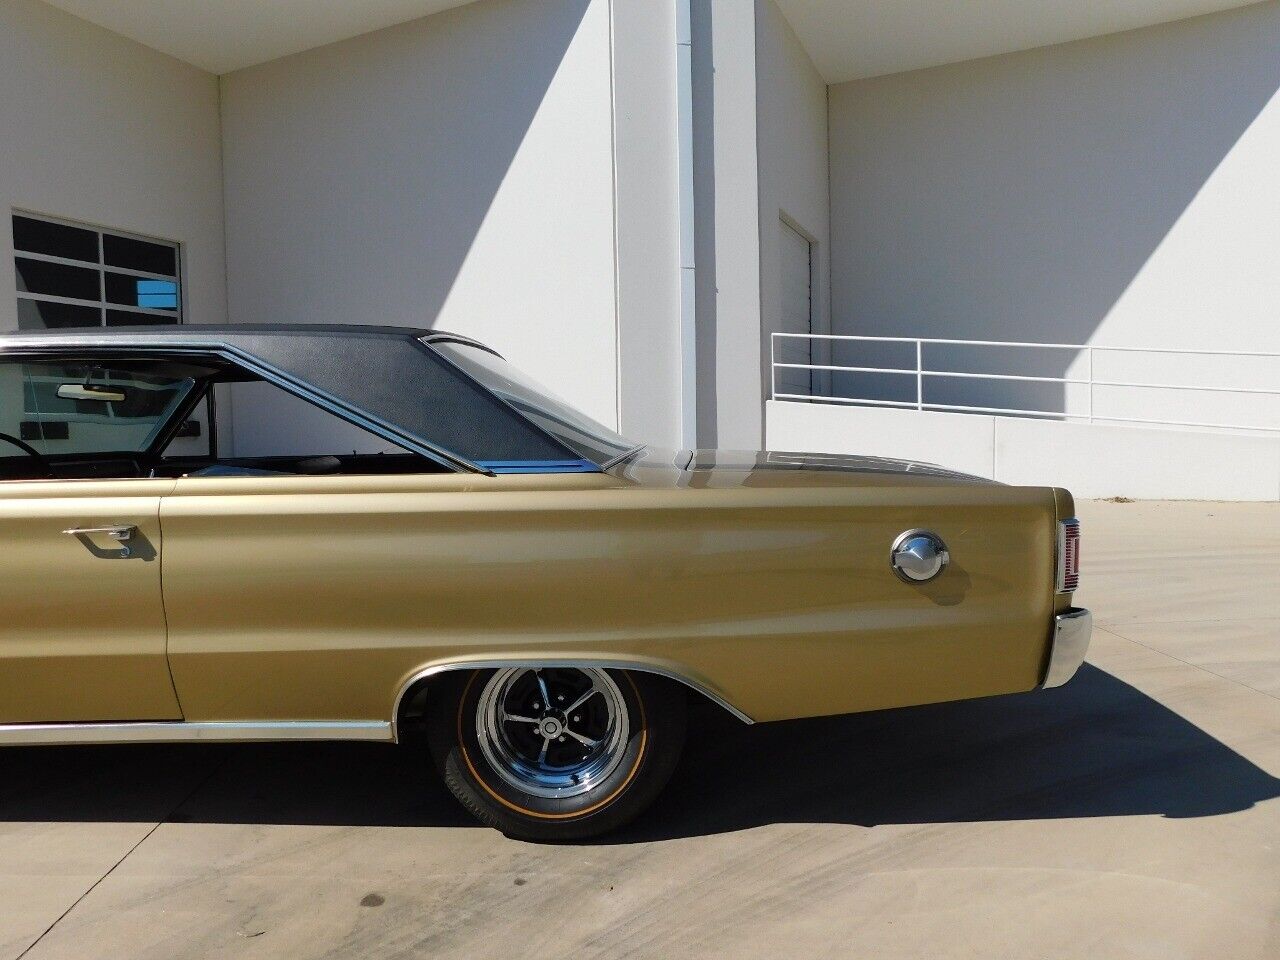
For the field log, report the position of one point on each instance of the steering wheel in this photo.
(32, 452)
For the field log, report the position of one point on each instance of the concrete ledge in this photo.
(1097, 460)
(1091, 460)
(958, 442)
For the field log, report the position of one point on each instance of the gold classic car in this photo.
(332, 533)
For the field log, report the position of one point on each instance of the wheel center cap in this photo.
(550, 727)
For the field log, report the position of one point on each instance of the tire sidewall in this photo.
(655, 736)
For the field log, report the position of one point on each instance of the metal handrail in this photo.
(1028, 343)
(920, 373)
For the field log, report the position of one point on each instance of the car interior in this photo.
(112, 418)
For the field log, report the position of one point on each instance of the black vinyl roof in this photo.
(386, 379)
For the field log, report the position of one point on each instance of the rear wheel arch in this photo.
(415, 692)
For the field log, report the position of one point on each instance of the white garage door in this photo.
(795, 256)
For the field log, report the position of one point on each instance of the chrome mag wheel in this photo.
(552, 732)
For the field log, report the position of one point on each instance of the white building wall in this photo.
(101, 129)
(792, 131)
(646, 155)
(1120, 190)
(455, 172)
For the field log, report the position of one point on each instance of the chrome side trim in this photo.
(443, 336)
(667, 672)
(1071, 633)
(178, 731)
(625, 455)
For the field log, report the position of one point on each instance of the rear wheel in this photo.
(557, 753)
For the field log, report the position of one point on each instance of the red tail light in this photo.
(1068, 555)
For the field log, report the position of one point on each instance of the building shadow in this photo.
(1095, 748)
(702, 82)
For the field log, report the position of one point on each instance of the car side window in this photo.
(83, 408)
(258, 419)
(260, 429)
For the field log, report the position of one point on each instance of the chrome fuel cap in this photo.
(918, 556)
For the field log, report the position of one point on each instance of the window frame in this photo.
(246, 364)
(102, 268)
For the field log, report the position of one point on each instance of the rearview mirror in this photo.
(80, 391)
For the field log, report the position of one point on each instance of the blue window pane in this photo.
(132, 292)
(161, 294)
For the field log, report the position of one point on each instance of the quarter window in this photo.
(75, 275)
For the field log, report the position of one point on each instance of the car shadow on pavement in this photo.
(1096, 747)
(342, 784)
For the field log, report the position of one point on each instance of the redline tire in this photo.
(489, 764)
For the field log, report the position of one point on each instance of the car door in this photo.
(83, 633)
(82, 627)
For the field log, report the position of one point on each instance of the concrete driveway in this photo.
(1130, 814)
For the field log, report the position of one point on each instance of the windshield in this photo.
(590, 440)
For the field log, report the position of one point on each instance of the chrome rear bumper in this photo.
(1071, 632)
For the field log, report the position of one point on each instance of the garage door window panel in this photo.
(75, 275)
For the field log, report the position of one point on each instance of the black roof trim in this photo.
(228, 332)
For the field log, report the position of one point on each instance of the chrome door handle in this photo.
(121, 534)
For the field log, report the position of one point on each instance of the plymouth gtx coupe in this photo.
(336, 532)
